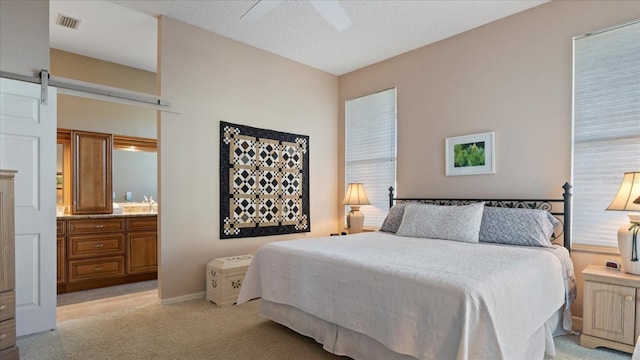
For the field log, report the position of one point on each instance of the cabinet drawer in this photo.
(142, 223)
(7, 305)
(11, 353)
(60, 227)
(86, 226)
(7, 333)
(82, 246)
(80, 270)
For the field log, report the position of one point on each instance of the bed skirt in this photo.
(341, 341)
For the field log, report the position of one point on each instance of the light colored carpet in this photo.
(200, 330)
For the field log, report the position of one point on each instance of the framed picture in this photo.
(59, 180)
(470, 154)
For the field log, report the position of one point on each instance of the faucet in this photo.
(151, 203)
(145, 201)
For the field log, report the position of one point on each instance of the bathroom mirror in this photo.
(63, 168)
(134, 172)
(134, 168)
(59, 172)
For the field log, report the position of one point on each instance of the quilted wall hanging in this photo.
(264, 182)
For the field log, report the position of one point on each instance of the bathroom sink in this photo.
(136, 208)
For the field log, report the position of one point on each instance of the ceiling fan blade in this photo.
(333, 12)
(259, 9)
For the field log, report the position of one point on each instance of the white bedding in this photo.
(430, 299)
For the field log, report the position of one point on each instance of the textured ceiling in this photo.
(293, 29)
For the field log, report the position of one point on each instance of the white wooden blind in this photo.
(606, 129)
(370, 150)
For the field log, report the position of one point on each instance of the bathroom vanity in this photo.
(103, 250)
(98, 242)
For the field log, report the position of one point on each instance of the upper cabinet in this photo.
(91, 173)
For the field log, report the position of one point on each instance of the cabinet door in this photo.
(60, 273)
(609, 312)
(91, 173)
(142, 255)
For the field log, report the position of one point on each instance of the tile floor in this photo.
(79, 304)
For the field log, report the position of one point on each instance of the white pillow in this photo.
(458, 223)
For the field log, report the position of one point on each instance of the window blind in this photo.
(370, 150)
(606, 129)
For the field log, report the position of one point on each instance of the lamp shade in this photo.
(355, 195)
(628, 196)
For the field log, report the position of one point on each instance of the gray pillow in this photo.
(459, 223)
(392, 222)
(525, 227)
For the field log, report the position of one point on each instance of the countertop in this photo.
(104, 216)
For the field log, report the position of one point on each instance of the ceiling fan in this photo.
(330, 10)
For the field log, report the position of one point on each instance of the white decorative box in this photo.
(224, 278)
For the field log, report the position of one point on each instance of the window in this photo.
(370, 150)
(606, 129)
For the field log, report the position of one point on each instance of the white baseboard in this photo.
(577, 324)
(178, 299)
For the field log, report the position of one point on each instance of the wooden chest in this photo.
(224, 278)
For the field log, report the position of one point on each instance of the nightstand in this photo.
(363, 230)
(611, 311)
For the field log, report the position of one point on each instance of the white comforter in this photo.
(431, 299)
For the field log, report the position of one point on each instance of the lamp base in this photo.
(355, 220)
(625, 244)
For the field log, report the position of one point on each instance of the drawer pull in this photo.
(99, 245)
(628, 298)
(3, 307)
(3, 336)
(99, 268)
(99, 226)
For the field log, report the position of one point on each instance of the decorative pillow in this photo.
(392, 222)
(459, 223)
(525, 227)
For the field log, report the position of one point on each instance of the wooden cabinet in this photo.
(8, 348)
(142, 251)
(107, 251)
(91, 173)
(611, 311)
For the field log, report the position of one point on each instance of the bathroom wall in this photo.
(134, 172)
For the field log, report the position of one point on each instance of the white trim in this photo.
(577, 323)
(605, 30)
(179, 299)
(595, 249)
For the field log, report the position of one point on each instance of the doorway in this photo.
(134, 179)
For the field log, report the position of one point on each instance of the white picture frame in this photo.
(470, 154)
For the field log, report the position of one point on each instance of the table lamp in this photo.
(628, 199)
(355, 197)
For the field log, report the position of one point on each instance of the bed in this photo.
(443, 279)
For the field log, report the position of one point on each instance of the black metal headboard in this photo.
(560, 208)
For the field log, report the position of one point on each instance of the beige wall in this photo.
(212, 78)
(78, 67)
(24, 36)
(514, 77)
(101, 116)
